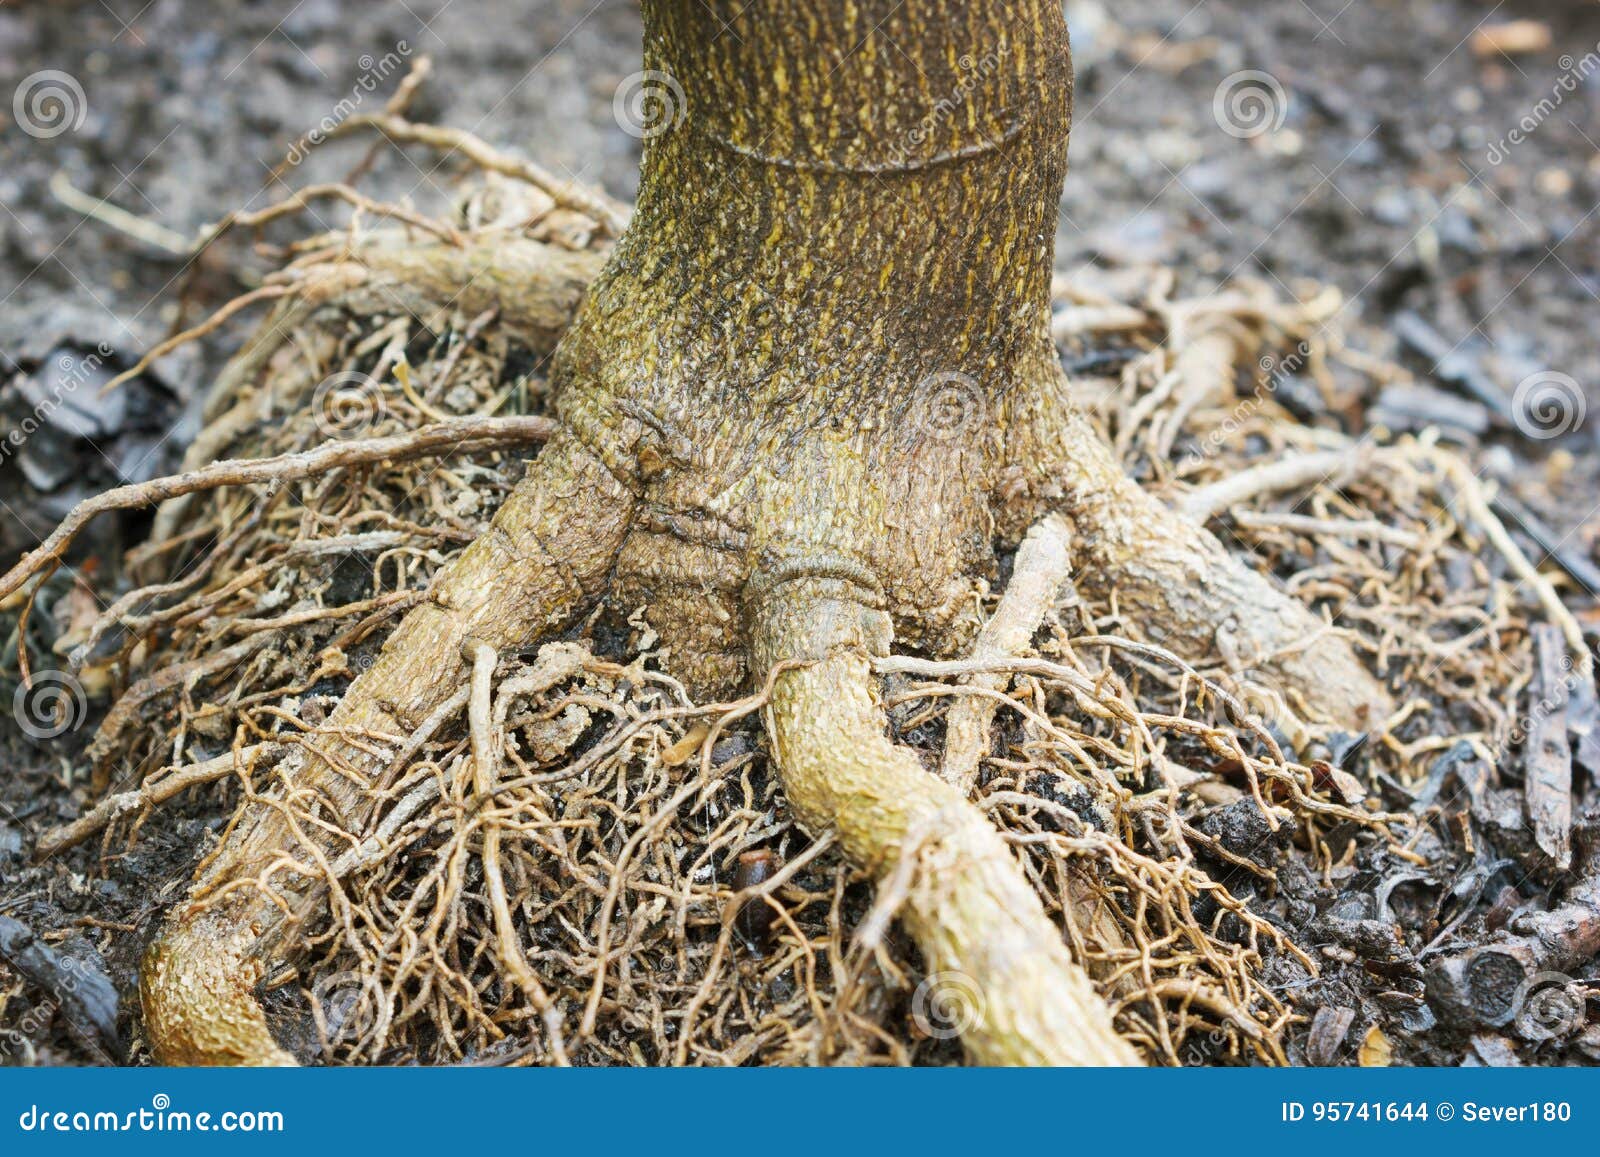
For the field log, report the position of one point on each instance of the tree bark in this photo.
(810, 393)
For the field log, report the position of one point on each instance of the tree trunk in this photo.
(810, 394)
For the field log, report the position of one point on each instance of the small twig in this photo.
(210, 325)
(329, 192)
(568, 194)
(1558, 547)
(1470, 492)
(1547, 780)
(1336, 527)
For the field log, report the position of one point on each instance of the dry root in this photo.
(998, 966)
(538, 858)
(1041, 568)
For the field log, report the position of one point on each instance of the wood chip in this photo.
(1548, 782)
(1495, 1051)
(1376, 1051)
(1328, 1031)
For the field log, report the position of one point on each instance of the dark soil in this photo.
(1382, 180)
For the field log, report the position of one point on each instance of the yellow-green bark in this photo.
(810, 395)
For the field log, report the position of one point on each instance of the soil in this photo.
(1381, 180)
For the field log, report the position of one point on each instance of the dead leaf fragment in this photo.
(1376, 1052)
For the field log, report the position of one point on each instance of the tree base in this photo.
(397, 766)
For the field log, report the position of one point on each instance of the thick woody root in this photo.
(704, 1047)
(238, 962)
(1014, 991)
(198, 988)
(1177, 586)
(1140, 564)
(520, 579)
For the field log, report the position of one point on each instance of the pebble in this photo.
(1554, 182)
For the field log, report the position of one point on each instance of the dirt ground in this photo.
(1402, 172)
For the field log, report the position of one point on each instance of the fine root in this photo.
(1007, 982)
(505, 855)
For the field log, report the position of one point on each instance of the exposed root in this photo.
(998, 967)
(434, 997)
(505, 588)
(485, 766)
(156, 791)
(1175, 583)
(1042, 565)
(452, 436)
(1294, 473)
(568, 194)
(466, 853)
(197, 989)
